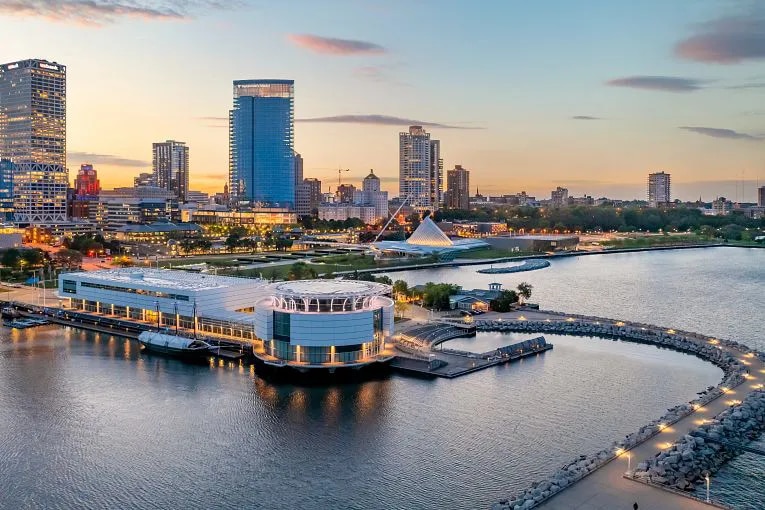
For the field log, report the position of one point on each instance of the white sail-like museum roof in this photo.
(429, 239)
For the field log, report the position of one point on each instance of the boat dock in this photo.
(451, 363)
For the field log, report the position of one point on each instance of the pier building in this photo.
(305, 323)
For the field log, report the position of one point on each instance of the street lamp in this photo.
(706, 477)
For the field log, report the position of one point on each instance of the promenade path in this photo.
(606, 488)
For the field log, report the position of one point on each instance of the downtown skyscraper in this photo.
(33, 138)
(170, 167)
(421, 170)
(457, 194)
(261, 144)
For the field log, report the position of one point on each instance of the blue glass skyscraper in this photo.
(261, 140)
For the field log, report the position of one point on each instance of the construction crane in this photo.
(340, 173)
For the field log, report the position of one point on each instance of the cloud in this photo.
(726, 40)
(662, 83)
(106, 159)
(101, 12)
(745, 86)
(214, 122)
(380, 120)
(720, 133)
(332, 46)
(585, 117)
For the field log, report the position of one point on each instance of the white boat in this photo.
(174, 345)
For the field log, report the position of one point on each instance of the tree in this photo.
(67, 258)
(384, 279)
(400, 287)
(524, 290)
(400, 308)
(11, 258)
(32, 258)
(414, 220)
(504, 302)
(436, 295)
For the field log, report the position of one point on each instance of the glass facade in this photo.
(33, 137)
(170, 163)
(420, 169)
(6, 189)
(261, 143)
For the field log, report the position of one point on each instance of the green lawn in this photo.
(649, 241)
(496, 253)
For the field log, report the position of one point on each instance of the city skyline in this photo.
(680, 100)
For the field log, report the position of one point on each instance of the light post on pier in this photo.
(706, 477)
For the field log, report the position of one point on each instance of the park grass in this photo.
(496, 253)
(651, 241)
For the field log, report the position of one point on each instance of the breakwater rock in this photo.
(688, 461)
(527, 265)
(704, 347)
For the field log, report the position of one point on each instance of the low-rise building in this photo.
(342, 212)
(244, 218)
(534, 243)
(156, 233)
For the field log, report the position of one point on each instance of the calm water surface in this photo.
(87, 421)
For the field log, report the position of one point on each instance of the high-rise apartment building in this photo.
(170, 165)
(308, 196)
(457, 194)
(261, 143)
(761, 196)
(559, 197)
(144, 179)
(420, 170)
(659, 189)
(33, 138)
(86, 184)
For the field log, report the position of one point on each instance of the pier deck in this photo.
(457, 363)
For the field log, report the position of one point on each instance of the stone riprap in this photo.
(689, 460)
(704, 347)
(527, 265)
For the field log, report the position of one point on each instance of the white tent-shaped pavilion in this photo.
(429, 239)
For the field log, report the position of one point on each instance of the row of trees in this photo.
(607, 218)
(507, 298)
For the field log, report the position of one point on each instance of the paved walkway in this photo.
(607, 489)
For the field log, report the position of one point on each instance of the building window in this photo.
(69, 287)
(282, 326)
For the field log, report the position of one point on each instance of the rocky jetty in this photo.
(687, 462)
(704, 347)
(527, 265)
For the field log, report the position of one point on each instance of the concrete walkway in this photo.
(607, 489)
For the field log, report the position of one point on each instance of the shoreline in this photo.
(546, 256)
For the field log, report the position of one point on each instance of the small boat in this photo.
(174, 345)
(10, 313)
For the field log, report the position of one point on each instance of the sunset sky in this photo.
(590, 95)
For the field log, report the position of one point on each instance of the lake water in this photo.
(88, 421)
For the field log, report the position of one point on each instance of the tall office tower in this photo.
(86, 184)
(6, 189)
(659, 189)
(170, 164)
(457, 194)
(33, 137)
(761, 196)
(420, 169)
(261, 143)
(559, 197)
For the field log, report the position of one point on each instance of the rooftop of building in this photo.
(327, 289)
(165, 278)
(159, 227)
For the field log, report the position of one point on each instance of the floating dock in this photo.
(451, 363)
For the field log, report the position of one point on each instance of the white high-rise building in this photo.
(371, 195)
(33, 138)
(659, 189)
(420, 170)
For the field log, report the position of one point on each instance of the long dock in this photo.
(451, 363)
